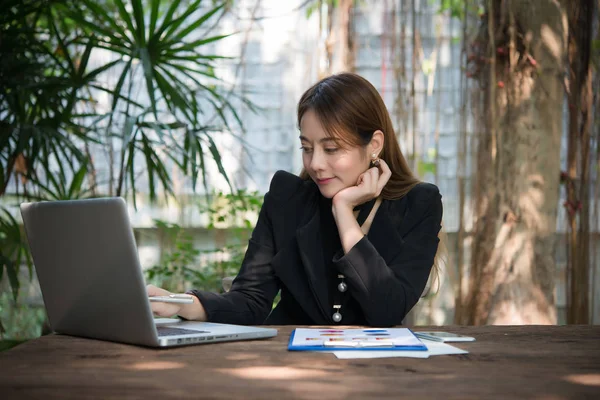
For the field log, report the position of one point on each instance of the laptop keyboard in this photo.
(168, 331)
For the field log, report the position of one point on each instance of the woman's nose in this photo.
(317, 161)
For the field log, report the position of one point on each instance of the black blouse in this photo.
(332, 248)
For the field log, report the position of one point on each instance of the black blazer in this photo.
(386, 271)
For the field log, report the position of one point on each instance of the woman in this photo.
(351, 241)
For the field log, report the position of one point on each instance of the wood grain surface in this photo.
(506, 362)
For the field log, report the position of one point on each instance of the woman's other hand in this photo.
(194, 311)
(159, 308)
(369, 186)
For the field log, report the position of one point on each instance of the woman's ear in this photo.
(376, 144)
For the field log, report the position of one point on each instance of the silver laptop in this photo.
(87, 265)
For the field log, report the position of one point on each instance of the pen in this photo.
(173, 298)
(428, 337)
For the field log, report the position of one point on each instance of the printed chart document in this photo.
(363, 340)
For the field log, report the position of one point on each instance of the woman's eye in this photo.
(306, 149)
(331, 150)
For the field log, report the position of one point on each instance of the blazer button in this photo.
(342, 287)
(337, 317)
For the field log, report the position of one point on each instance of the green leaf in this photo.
(166, 21)
(102, 15)
(113, 94)
(138, 14)
(131, 169)
(3, 261)
(188, 70)
(75, 187)
(119, 87)
(179, 36)
(63, 47)
(197, 43)
(155, 167)
(13, 278)
(2, 178)
(171, 55)
(93, 74)
(200, 153)
(85, 57)
(124, 51)
(311, 9)
(127, 19)
(217, 157)
(172, 94)
(149, 75)
(176, 23)
(426, 167)
(154, 7)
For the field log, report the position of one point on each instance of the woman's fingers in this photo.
(158, 308)
(165, 309)
(373, 181)
(368, 185)
(156, 291)
(384, 177)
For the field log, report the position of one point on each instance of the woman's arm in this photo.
(388, 291)
(250, 299)
(349, 230)
(251, 296)
(369, 186)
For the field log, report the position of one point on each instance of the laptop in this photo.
(91, 279)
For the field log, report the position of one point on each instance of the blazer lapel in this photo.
(310, 248)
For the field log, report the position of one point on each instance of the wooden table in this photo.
(540, 362)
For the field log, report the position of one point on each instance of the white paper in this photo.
(433, 349)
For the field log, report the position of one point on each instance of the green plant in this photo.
(161, 47)
(49, 118)
(13, 252)
(236, 213)
(179, 268)
(52, 126)
(178, 254)
(41, 86)
(233, 210)
(25, 321)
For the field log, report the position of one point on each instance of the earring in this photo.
(375, 160)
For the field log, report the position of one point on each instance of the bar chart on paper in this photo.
(392, 339)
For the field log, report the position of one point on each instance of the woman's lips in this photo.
(324, 181)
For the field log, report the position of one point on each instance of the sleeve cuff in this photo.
(359, 254)
(208, 301)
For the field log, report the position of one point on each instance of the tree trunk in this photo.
(342, 38)
(462, 172)
(517, 177)
(580, 15)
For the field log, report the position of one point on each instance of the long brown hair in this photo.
(350, 110)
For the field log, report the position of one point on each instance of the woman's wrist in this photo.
(340, 203)
(341, 210)
(349, 230)
(194, 311)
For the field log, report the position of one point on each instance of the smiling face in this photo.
(331, 166)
